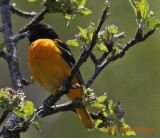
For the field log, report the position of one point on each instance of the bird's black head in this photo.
(41, 31)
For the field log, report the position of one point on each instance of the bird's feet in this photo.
(48, 108)
(65, 87)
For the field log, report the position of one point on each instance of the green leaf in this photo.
(97, 105)
(113, 130)
(34, 1)
(3, 46)
(29, 108)
(130, 133)
(84, 90)
(101, 125)
(90, 31)
(102, 47)
(105, 114)
(83, 32)
(152, 22)
(112, 30)
(144, 8)
(101, 99)
(68, 16)
(36, 125)
(19, 113)
(97, 123)
(73, 42)
(53, 5)
(81, 3)
(78, 101)
(135, 5)
(32, 80)
(36, 121)
(110, 107)
(85, 11)
(157, 26)
(142, 12)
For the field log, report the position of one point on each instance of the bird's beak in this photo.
(24, 34)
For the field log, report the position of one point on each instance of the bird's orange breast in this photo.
(48, 67)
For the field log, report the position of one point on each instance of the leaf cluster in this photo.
(112, 115)
(145, 18)
(14, 102)
(107, 40)
(69, 8)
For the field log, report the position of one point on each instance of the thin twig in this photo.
(25, 82)
(102, 58)
(4, 55)
(4, 116)
(93, 57)
(22, 13)
(36, 20)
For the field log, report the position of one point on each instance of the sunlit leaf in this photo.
(110, 107)
(35, 1)
(83, 32)
(152, 22)
(98, 122)
(19, 113)
(81, 3)
(85, 11)
(97, 105)
(144, 8)
(101, 99)
(32, 80)
(102, 47)
(90, 31)
(135, 5)
(73, 42)
(29, 108)
(3, 46)
(129, 131)
(105, 114)
(112, 30)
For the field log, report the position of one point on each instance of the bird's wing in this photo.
(68, 57)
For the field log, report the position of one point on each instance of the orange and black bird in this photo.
(50, 61)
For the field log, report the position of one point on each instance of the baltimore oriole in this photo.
(50, 61)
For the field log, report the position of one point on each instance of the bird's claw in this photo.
(65, 87)
(47, 109)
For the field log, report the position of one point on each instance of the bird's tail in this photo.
(85, 118)
(82, 112)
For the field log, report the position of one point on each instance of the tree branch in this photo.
(68, 106)
(22, 13)
(4, 55)
(138, 38)
(13, 66)
(11, 48)
(84, 56)
(93, 57)
(4, 116)
(36, 20)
